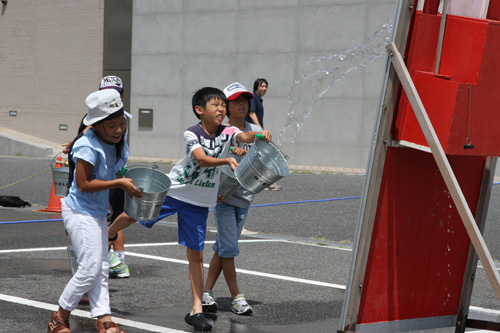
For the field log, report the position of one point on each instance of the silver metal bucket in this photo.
(228, 182)
(155, 185)
(60, 177)
(262, 166)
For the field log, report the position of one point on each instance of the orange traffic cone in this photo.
(54, 205)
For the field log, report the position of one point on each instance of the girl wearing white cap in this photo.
(98, 156)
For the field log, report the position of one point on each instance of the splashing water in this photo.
(321, 73)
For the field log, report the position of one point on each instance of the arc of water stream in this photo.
(322, 72)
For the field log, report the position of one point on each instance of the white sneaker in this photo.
(208, 302)
(240, 306)
(273, 187)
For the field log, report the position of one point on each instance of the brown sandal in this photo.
(57, 324)
(102, 327)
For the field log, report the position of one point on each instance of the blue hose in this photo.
(263, 205)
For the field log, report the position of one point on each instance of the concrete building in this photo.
(54, 53)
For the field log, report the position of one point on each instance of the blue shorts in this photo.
(191, 220)
(230, 221)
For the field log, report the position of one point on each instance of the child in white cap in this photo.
(98, 156)
(230, 213)
(118, 268)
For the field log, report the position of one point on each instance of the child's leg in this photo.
(195, 259)
(226, 265)
(192, 222)
(87, 236)
(230, 220)
(214, 271)
(230, 275)
(119, 243)
(121, 222)
(116, 201)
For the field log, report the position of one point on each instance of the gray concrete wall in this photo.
(50, 60)
(179, 46)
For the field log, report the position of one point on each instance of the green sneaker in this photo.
(114, 261)
(121, 271)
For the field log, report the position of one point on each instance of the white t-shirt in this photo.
(192, 183)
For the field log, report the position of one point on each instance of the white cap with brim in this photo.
(101, 104)
(234, 90)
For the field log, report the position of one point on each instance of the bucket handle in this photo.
(64, 161)
(125, 168)
(260, 137)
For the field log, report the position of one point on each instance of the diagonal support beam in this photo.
(445, 169)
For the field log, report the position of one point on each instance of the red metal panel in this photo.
(419, 245)
(421, 56)
(469, 59)
(463, 47)
(494, 10)
(485, 100)
(431, 6)
(440, 107)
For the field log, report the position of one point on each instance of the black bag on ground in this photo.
(9, 201)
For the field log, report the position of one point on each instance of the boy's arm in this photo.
(249, 137)
(208, 161)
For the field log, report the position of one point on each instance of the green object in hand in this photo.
(122, 171)
(259, 136)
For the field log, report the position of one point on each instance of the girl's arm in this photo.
(249, 137)
(209, 161)
(86, 183)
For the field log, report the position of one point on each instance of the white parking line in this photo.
(185, 262)
(243, 271)
(86, 314)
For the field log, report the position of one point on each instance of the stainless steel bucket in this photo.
(60, 178)
(228, 182)
(155, 185)
(262, 166)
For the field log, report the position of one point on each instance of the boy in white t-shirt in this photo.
(230, 213)
(195, 183)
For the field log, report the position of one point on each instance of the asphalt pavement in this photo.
(293, 266)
